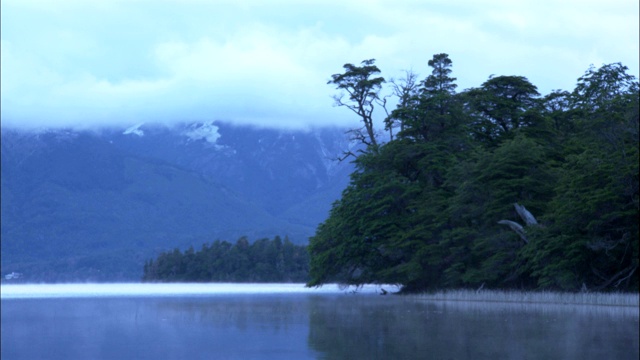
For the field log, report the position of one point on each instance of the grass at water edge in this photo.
(544, 297)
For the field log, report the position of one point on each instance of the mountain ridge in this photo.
(71, 199)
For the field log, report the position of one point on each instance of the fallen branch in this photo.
(515, 227)
(616, 276)
(525, 215)
(626, 277)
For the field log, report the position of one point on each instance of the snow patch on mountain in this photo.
(204, 131)
(135, 129)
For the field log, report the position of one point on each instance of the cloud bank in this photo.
(118, 63)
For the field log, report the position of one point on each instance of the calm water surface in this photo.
(290, 322)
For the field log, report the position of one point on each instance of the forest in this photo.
(263, 260)
(496, 186)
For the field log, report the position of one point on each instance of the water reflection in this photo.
(303, 326)
(232, 327)
(407, 328)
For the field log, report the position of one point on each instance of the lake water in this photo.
(252, 321)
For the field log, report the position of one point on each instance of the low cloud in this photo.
(93, 63)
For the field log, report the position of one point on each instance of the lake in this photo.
(288, 321)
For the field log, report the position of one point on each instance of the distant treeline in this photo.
(262, 261)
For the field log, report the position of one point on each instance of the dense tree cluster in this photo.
(495, 185)
(262, 261)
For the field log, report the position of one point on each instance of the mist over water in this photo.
(29, 291)
(288, 321)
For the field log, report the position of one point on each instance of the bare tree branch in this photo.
(525, 215)
(406, 90)
(615, 277)
(626, 277)
(515, 227)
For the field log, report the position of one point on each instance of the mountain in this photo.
(93, 206)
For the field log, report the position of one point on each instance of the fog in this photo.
(38, 291)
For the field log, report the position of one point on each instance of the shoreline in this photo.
(621, 299)
(532, 297)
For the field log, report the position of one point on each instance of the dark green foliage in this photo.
(592, 237)
(423, 210)
(501, 105)
(371, 216)
(263, 261)
(603, 88)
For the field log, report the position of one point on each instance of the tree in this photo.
(363, 88)
(358, 243)
(433, 107)
(598, 88)
(406, 90)
(557, 105)
(500, 106)
(439, 82)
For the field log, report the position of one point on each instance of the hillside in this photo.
(82, 206)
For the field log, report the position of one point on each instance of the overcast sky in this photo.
(82, 63)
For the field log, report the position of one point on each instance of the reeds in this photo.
(543, 297)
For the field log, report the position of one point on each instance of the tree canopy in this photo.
(428, 208)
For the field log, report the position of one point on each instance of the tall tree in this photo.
(434, 107)
(440, 82)
(363, 90)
